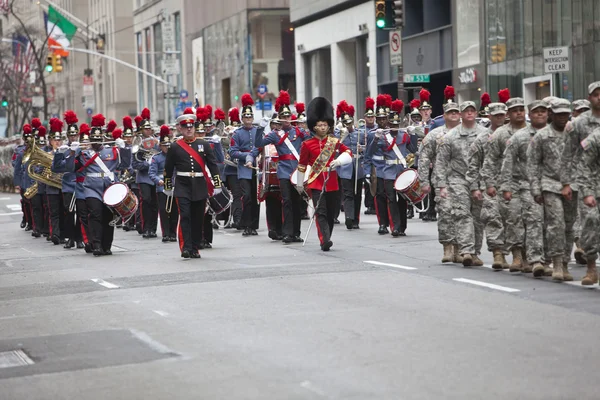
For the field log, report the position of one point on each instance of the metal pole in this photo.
(402, 95)
(67, 14)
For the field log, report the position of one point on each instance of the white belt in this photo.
(191, 174)
(378, 158)
(393, 162)
(98, 175)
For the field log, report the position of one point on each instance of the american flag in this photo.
(23, 54)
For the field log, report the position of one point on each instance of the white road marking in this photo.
(10, 213)
(104, 283)
(13, 207)
(4, 198)
(487, 285)
(161, 313)
(309, 386)
(390, 265)
(578, 284)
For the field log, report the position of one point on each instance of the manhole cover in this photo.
(14, 358)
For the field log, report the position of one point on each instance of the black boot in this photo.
(327, 245)
(80, 245)
(383, 230)
(349, 223)
(70, 244)
(247, 232)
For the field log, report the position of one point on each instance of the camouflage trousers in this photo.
(476, 209)
(559, 217)
(464, 222)
(445, 223)
(532, 218)
(589, 219)
(493, 215)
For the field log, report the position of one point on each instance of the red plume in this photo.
(388, 100)
(381, 100)
(351, 110)
(234, 115)
(208, 109)
(84, 129)
(27, 129)
(398, 106)
(277, 104)
(111, 126)
(284, 98)
(369, 103)
(485, 99)
(56, 125)
(449, 93)
(299, 107)
(164, 131)
(503, 95)
(247, 100)
(117, 133)
(424, 95)
(188, 110)
(341, 108)
(202, 114)
(42, 131)
(98, 120)
(127, 123)
(145, 113)
(36, 123)
(70, 117)
(294, 117)
(137, 119)
(219, 114)
(415, 103)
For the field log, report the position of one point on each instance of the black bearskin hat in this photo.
(319, 109)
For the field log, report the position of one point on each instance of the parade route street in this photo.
(375, 318)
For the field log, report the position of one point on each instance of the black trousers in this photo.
(56, 214)
(274, 207)
(369, 199)
(431, 211)
(72, 226)
(149, 206)
(168, 221)
(83, 219)
(26, 207)
(325, 213)
(251, 208)
(100, 217)
(191, 220)
(397, 207)
(45, 215)
(381, 203)
(352, 198)
(207, 227)
(292, 208)
(233, 184)
(37, 206)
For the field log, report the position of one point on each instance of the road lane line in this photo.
(4, 198)
(390, 265)
(102, 282)
(308, 385)
(487, 285)
(578, 284)
(161, 313)
(10, 213)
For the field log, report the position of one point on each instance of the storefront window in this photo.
(467, 22)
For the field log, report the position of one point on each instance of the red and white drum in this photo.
(220, 202)
(120, 198)
(407, 184)
(294, 176)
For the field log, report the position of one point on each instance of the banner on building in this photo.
(198, 68)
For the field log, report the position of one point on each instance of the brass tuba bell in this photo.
(39, 159)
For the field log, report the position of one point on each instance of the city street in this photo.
(375, 318)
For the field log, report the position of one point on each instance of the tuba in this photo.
(31, 191)
(39, 158)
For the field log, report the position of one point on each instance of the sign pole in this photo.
(396, 59)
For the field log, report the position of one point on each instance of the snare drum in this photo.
(220, 202)
(407, 184)
(120, 198)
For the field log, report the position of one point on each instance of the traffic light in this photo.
(498, 53)
(4, 102)
(50, 63)
(380, 13)
(57, 63)
(398, 12)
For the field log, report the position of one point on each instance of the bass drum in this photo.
(220, 202)
(120, 198)
(407, 184)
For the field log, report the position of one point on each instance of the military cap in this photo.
(537, 104)
(579, 105)
(561, 106)
(497, 108)
(451, 106)
(593, 86)
(550, 100)
(515, 102)
(394, 118)
(186, 120)
(466, 104)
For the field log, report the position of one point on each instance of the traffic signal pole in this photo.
(398, 15)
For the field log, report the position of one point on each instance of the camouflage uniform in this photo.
(544, 171)
(589, 218)
(428, 153)
(452, 165)
(510, 213)
(513, 178)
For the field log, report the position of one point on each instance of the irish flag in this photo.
(60, 31)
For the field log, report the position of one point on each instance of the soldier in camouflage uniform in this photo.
(452, 165)
(428, 154)
(490, 216)
(517, 191)
(578, 131)
(579, 107)
(511, 215)
(544, 173)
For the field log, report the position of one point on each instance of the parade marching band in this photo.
(524, 176)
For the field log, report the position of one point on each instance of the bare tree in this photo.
(14, 85)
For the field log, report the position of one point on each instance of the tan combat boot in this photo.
(527, 268)
(591, 277)
(448, 253)
(579, 253)
(517, 264)
(567, 277)
(538, 269)
(477, 262)
(557, 273)
(547, 267)
(457, 258)
(499, 260)
(467, 260)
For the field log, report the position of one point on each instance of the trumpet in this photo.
(361, 123)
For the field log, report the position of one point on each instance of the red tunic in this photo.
(309, 152)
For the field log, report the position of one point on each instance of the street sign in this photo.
(395, 48)
(171, 96)
(170, 66)
(183, 95)
(265, 105)
(89, 102)
(556, 59)
(37, 101)
(262, 89)
(88, 90)
(416, 78)
(168, 35)
(89, 111)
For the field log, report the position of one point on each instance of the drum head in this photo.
(405, 179)
(115, 194)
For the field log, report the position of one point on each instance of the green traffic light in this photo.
(4, 103)
(237, 98)
(380, 23)
(48, 68)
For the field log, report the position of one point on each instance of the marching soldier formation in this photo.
(524, 176)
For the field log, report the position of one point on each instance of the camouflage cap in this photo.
(550, 100)
(579, 105)
(515, 102)
(466, 104)
(451, 106)
(537, 104)
(497, 108)
(593, 86)
(561, 106)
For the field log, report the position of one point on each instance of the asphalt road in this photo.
(375, 318)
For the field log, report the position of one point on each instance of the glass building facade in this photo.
(518, 30)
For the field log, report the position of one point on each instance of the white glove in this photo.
(334, 164)
(343, 159)
(217, 191)
(168, 192)
(264, 122)
(339, 126)
(63, 148)
(379, 133)
(343, 131)
(300, 182)
(74, 146)
(368, 176)
(120, 143)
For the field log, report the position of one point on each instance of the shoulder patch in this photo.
(586, 144)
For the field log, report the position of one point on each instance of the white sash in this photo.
(289, 145)
(396, 149)
(103, 167)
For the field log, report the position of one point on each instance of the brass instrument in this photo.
(31, 191)
(143, 148)
(39, 158)
(410, 160)
(361, 123)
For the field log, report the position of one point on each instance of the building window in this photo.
(149, 67)
(158, 56)
(177, 27)
(140, 64)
